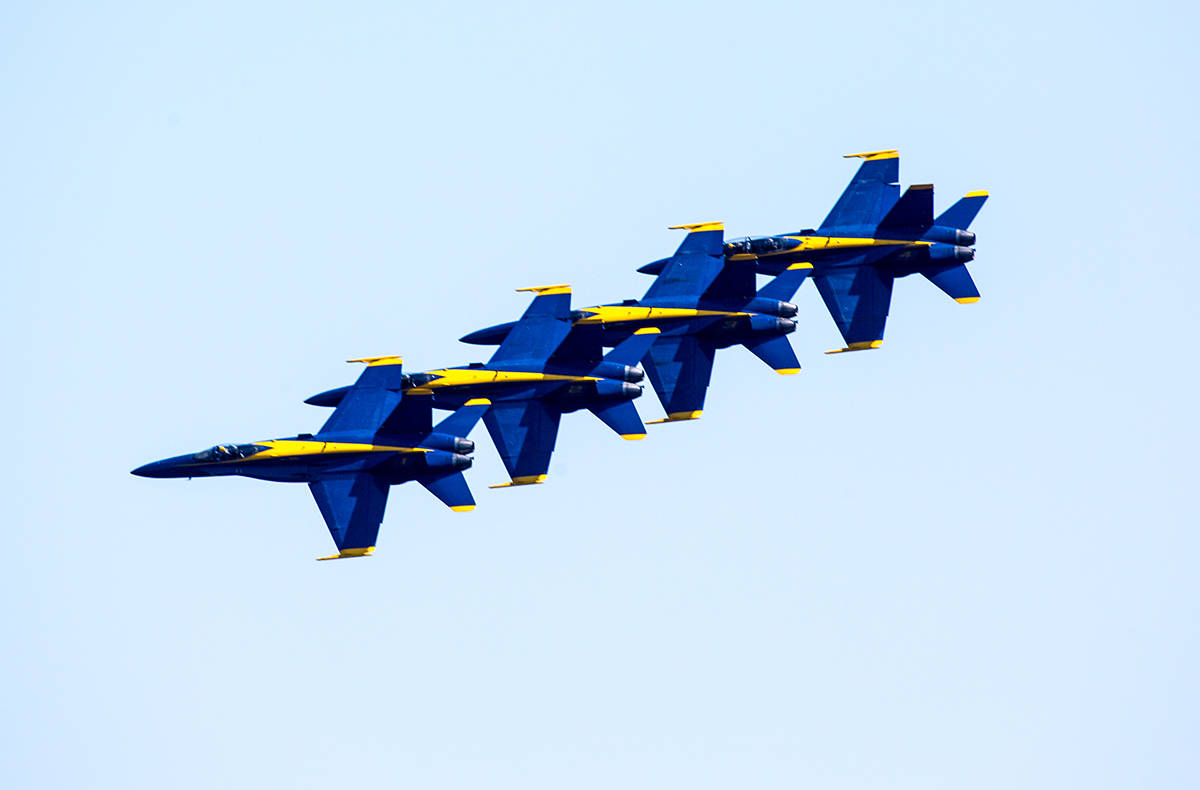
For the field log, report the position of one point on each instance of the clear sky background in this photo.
(965, 560)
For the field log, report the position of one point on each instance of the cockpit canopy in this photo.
(229, 452)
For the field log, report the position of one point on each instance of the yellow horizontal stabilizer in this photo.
(389, 360)
(521, 481)
(478, 402)
(890, 153)
(865, 345)
(977, 193)
(348, 553)
(547, 290)
(699, 226)
(678, 416)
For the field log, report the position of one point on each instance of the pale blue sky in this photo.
(965, 560)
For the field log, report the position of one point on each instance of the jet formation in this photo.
(553, 359)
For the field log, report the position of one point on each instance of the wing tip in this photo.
(527, 480)
(344, 554)
(547, 290)
(886, 153)
(865, 345)
(678, 416)
(698, 226)
(977, 193)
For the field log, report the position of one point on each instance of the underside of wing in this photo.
(858, 298)
(352, 506)
(680, 369)
(524, 433)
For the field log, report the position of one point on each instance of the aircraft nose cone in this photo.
(168, 467)
(150, 470)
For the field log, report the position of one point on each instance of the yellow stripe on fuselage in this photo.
(615, 314)
(300, 448)
(822, 243)
(458, 377)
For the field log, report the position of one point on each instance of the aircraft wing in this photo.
(371, 399)
(680, 367)
(352, 506)
(858, 298)
(541, 329)
(872, 192)
(524, 433)
(694, 266)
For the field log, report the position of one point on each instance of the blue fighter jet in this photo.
(701, 302)
(533, 379)
(872, 235)
(374, 439)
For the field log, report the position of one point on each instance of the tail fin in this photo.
(962, 213)
(911, 216)
(784, 286)
(632, 349)
(777, 353)
(955, 280)
(452, 489)
(463, 420)
(622, 417)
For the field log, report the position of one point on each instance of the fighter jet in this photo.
(701, 301)
(374, 439)
(533, 379)
(872, 235)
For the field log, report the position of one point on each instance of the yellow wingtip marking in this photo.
(977, 193)
(649, 330)
(698, 226)
(889, 153)
(372, 361)
(527, 480)
(478, 402)
(547, 290)
(678, 416)
(347, 553)
(800, 266)
(865, 345)
(633, 436)
(462, 508)
(787, 371)
(967, 299)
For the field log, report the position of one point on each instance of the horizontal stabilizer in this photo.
(633, 348)
(463, 420)
(622, 417)
(783, 287)
(777, 353)
(452, 490)
(962, 213)
(955, 280)
(911, 216)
